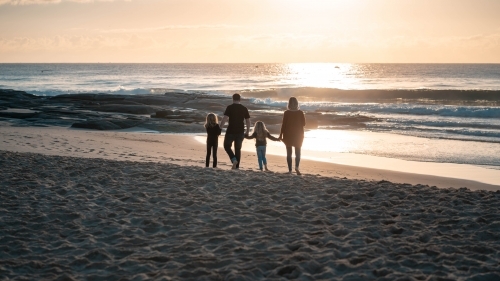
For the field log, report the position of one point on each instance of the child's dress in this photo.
(212, 143)
(260, 146)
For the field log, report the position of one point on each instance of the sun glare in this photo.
(322, 75)
(321, 140)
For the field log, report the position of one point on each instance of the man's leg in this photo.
(228, 142)
(238, 141)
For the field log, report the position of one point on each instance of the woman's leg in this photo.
(207, 159)
(214, 149)
(297, 159)
(289, 157)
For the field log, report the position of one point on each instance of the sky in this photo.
(250, 31)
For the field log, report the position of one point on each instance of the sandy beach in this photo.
(369, 134)
(66, 218)
(186, 149)
(118, 205)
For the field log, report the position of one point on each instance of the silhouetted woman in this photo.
(292, 132)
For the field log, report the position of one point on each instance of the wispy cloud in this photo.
(38, 2)
(75, 43)
(166, 27)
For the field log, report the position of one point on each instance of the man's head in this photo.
(236, 98)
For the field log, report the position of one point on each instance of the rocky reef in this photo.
(171, 112)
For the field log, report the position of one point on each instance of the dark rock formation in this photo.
(96, 125)
(106, 124)
(17, 115)
(124, 108)
(172, 112)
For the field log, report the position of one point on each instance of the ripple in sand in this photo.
(70, 219)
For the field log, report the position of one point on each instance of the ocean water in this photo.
(455, 102)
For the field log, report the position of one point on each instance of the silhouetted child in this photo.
(213, 132)
(260, 134)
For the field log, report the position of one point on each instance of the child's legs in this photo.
(214, 149)
(261, 156)
(209, 151)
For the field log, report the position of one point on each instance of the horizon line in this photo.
(249, 62)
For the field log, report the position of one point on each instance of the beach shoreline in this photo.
(135, 204)
(187, 150)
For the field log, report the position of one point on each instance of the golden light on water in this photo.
(322, 75)
(331, 141)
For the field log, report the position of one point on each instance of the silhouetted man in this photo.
(237, 115)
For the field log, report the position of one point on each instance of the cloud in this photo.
(167, 27)
(38, 2)
(264, 47)
(75, 43)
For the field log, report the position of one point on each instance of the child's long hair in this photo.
(211, 121)
(260, 129)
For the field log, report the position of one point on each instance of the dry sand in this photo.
(71, 211)
(65, 218)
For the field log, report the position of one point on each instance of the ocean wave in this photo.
(119, 90)
(390, 108)
(493, 134)
(445, 135)
(375, 95)
(440, 123)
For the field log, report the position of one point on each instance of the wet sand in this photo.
(184, 149)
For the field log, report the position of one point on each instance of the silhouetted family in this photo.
(238, 117)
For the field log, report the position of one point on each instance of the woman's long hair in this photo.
(259, 128)
(293, 104)
(211, 121)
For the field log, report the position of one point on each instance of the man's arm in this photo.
(248, 126)
(223, 121)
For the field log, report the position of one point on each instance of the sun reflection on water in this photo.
(322, 75)
(332, 141)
